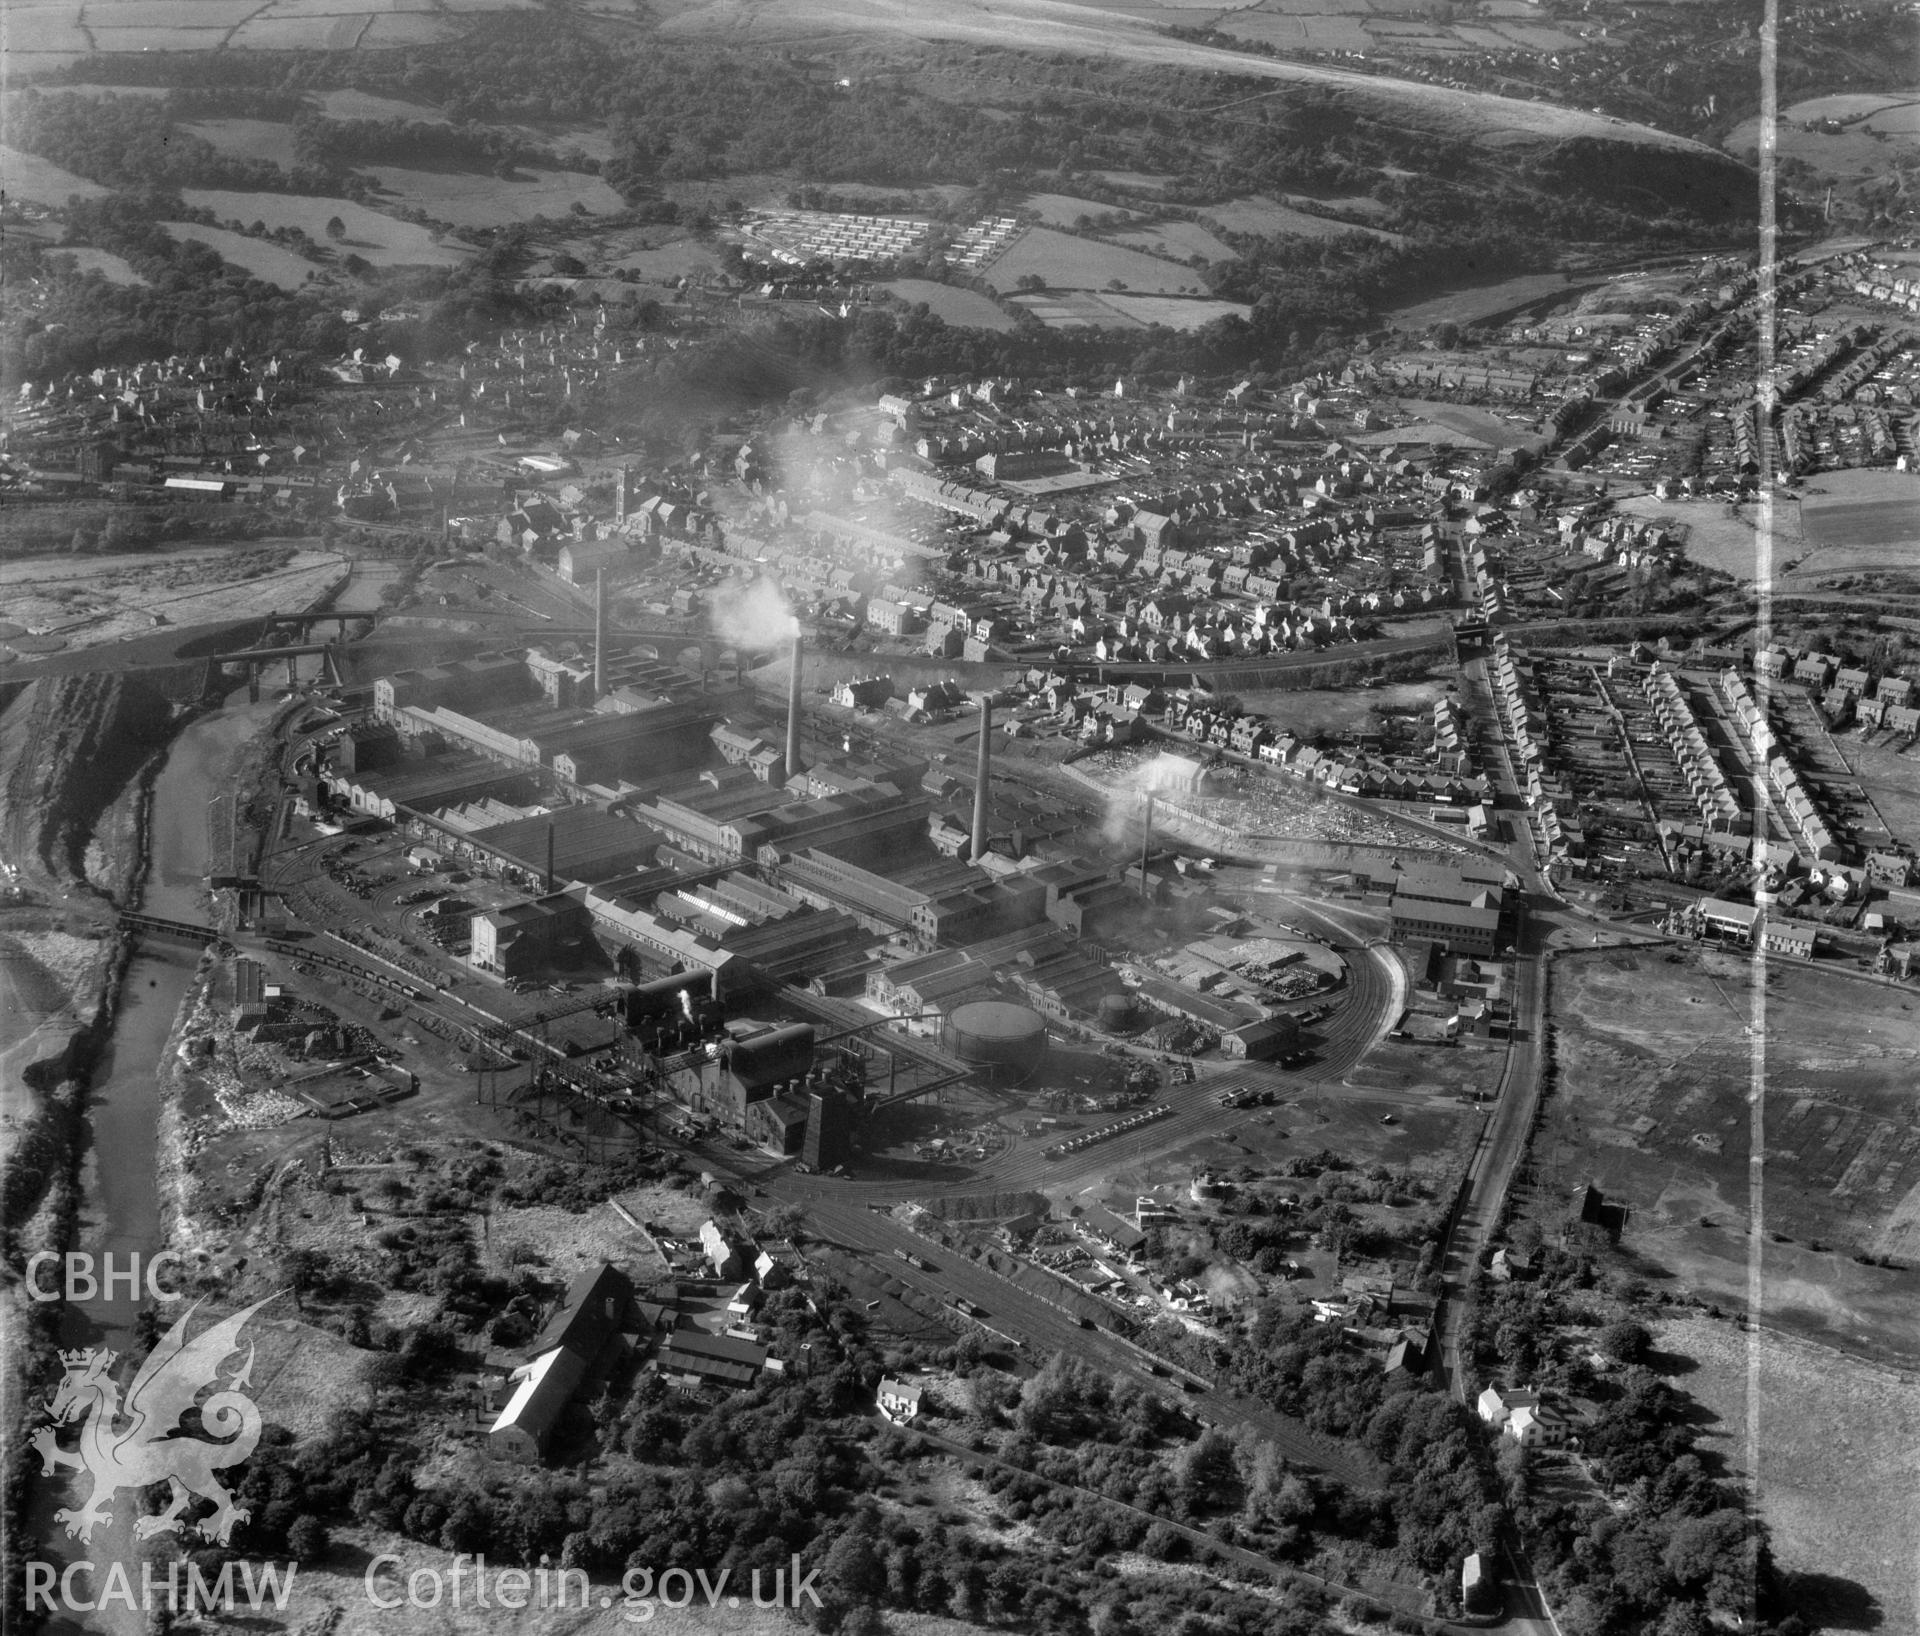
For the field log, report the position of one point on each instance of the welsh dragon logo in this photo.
(142, 1441)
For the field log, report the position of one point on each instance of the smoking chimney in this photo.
(1146, 842)
(599, 633)
(793, 708)
(981, 775)
(549, 885)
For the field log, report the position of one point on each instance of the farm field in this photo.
(1858, 511)
(666, 262)
(1173, 311)
(268, 262)
(45, 35)
(1177, 240)
(1481, 301)
(1839, 1475)
(1061, 210)
(116, 269)
(1877, 125)
(468, 198)
(1296, 32)
(268, 139)
(1715, 540)
(967, 308)
(1119, 32)
(381, 240)
(1656, 1063)
(38, 181)
(101, 599)
(365, 105)
(1269, 217)
(1069, 263)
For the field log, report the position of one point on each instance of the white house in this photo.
(1538, 1425)
(899, 1400)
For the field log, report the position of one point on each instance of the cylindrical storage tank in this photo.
(1006, 1043)
(1119, 1014)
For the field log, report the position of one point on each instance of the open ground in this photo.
(1839, 1467)
(100, 599)
(1658, 1055)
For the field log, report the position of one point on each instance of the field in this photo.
(1307, 711)
(1877, 127)
(1058, 210)
(1069, 263)
(378, 239)
(1838, 1479)
(100, 599)
(967, 308)
(1657, 1061)
(116, 269)
(1177, 240)
(667, 262)
(1173, 311)
(468, 198)
(1125, 33)
(1481, 301)
(1269, 217)
(1862, 511)
(250, 139)
(270, 263)
(37, 181)
(365, 105)
(1726, 543)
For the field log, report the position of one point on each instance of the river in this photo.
(120, 1207)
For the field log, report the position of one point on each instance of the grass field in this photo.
(1715, 540)
(268, 139)
(474, 199)
(1121, 32)
(270, 263)
(380, 239)
(31, 30)
(1481, 301)
(1877, 127)
(666, 262)
(1068, 263)
(91, 260)
(967, 308)
(30, 178)
(365, 105)
(1269, 217)
(1657, 1061)
(1178, 240)
(1173, 311)
(1060, 210)
(1838, 1473)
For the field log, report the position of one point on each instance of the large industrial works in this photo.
(660, 916)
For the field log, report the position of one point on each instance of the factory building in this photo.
(523, 938)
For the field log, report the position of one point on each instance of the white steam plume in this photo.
(757, 617)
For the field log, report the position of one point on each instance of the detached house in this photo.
(899, 1401)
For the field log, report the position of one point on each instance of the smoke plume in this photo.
(758, 617)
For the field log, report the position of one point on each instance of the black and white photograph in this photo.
(960, 817)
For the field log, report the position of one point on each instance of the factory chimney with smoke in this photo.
(793, 708)
(981, 776)
(599, 633)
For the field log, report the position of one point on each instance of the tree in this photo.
(307, 1539)
(336, 229)
(1626, 1341)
